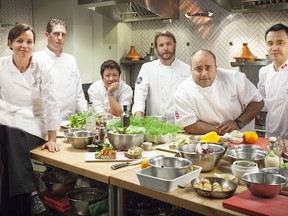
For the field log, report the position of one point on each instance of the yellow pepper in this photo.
(211, 137)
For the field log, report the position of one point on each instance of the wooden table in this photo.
(184, 198)
(73, 160)
(125, 178)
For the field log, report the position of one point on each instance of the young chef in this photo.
(65, 74)
(215, 99)
(158, 80)
(29, 117)
(273, 80)
(109, 94)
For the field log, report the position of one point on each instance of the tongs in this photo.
(119, 165)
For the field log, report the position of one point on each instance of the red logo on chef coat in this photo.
(284, 66)
(177, 115)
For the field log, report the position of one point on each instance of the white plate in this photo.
(90, 156)
(65, 123)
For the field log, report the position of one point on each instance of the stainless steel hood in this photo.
(252, 6)
(134, 10)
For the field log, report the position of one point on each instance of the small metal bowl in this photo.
(58, 183)
(81, 198)
(80, 139)
(124, 141)
(169, 167)
(264, 184)
(215, 194)
(207, 161)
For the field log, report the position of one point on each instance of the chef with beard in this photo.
(158, 80)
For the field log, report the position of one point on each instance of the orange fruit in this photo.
(144, 163)
(250, 137)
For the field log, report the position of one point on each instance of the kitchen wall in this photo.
(93, 38)
(215, 35)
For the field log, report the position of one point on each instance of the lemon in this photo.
(211, 137)
(144, 163)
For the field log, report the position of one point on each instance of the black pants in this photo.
(18, 179)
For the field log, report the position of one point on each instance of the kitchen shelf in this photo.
(125, 61)
(255, 63)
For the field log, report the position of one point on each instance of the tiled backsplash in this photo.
(215, 35)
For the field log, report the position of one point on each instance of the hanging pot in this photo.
(245, 55)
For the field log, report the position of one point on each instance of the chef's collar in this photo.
(51, 53)
(284, 66)
(172, 64)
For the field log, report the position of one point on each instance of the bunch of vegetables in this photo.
(153, 126)
(78, 120)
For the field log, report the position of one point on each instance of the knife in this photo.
(119, 165)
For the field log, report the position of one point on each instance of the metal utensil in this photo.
(119, 165)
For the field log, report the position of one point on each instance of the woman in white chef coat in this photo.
(29, 117)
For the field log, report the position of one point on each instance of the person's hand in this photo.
(226, 127)
(113, 87)
(138, 114)
(51, 145)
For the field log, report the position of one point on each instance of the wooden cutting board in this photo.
(247, 203)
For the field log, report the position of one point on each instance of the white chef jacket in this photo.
(98, 95)
(27, 100)
(224, 100)
(67, 81)
(156, 84)
(274, 88)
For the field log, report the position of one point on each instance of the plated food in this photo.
(106, 153)
(134, 152)
(177, 142)
(214, 187)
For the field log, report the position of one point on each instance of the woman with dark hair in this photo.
(111, 93)
(29, 117)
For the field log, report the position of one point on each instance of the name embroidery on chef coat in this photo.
(233, 98)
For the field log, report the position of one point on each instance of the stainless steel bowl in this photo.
(169, 167)
(58, 183)
(71, 130)
(207, 161)
(125, 141)
(80, 139)
(215, 194)
(247, 152)
(264, 184)
(81, 198)
(197, 139)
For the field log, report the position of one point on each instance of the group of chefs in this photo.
(212, 99)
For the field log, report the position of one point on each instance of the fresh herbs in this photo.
(78, 120)
(153, 126)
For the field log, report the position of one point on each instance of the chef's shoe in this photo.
(37, 207)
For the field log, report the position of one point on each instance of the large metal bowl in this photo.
(215, 194)
(264, 184)
(81, 198)
(80, 139)
(169, 167)
(58, 183)
(124, 141)
(71, 130)
(247, 152)
(207, 161)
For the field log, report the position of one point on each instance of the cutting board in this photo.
(247, 203)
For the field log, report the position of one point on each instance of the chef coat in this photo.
(68, 87)
(98, 95)
(27, 99)
(156, 85)
(273, 87)
(224, 100)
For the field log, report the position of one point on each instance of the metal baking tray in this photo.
(146, 179)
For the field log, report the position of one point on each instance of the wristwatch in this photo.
(239, 123)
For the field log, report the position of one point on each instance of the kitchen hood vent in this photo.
(134, 10)
(252, 6)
